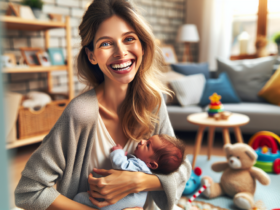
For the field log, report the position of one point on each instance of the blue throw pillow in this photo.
(192, 68)
(222, 86)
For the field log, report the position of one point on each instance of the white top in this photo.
(102, 145)
(203, 119)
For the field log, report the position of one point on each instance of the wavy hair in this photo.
(141, 105)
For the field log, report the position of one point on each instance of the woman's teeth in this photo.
(122, 66)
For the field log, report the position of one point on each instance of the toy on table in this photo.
(193, 183)
(265, 145)
(216, 108)
(215, 105)
(239, 176)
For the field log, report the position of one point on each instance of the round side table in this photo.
(202, 120)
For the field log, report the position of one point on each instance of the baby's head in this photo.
(161, 153)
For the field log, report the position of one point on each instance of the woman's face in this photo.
(117, 50)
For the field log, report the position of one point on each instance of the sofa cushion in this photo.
(165, 78)
(188, 89)
(222, 86)
(248, 76)
(271, 90)
(192, 68)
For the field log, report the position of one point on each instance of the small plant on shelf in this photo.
(276, 38)
(34, 4)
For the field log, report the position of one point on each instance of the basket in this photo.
(32, 123)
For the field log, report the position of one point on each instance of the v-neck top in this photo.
(102, 145)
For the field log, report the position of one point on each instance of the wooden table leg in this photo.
(238, 134)
(226, 136)
(210, 140)
(197, 144)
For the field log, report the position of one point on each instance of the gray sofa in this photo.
(263, 116)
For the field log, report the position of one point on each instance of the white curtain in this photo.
(214, 21)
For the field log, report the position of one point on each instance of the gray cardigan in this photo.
(63, 159)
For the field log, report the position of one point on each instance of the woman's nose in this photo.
(120, 51)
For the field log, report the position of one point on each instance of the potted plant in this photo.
(277, 41)
(36, 6)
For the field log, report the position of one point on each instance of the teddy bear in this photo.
(239, 176)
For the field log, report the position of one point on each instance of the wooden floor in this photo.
(19, 156)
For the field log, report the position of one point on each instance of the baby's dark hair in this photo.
(170, 155)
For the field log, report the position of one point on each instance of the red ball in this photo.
(197, 171)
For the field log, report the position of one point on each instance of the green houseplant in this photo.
(34, 4)
(276, 39)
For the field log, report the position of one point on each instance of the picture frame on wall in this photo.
(169, 54)
(29, 55)
(56, 56)
(43, 58)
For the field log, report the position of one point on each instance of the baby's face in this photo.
(144, 150)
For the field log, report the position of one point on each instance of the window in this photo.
(244, 20)
(255, 17)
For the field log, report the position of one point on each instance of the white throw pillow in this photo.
(189, 89)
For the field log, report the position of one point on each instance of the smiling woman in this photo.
(118, 55)
(119, 61)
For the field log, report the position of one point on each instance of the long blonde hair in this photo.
(141, 105)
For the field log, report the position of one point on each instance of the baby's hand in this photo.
(116, 147)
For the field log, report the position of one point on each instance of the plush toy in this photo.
(193, 184)
(239, 176)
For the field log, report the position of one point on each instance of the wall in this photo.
(164, 16)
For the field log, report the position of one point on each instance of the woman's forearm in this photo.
(64, 203)
(149, 183)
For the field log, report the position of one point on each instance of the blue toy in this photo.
(193, 183)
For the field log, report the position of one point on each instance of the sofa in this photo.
(263, 114)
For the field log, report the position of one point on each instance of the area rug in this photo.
(268, 196)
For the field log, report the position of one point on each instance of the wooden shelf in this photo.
(24, 142)
(16, 23)
(31, 69)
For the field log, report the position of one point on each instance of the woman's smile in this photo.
(122, 66)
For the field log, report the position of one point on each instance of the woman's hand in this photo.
(114, 186)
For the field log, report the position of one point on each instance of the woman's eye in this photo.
(105, 44)
(129, 39)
